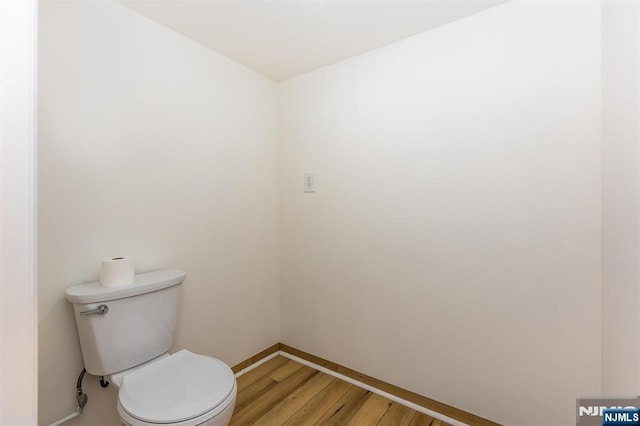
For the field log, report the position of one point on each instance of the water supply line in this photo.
(81, 401)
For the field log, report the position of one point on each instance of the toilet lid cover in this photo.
(177, 388)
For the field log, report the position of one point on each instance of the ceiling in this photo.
(283, 38)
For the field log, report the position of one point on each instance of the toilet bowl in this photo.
(183, 389)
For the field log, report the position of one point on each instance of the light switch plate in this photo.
(310, 182)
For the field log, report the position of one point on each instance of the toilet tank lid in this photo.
(143, 283)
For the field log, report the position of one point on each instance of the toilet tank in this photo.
(121, 327)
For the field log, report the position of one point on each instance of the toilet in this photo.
(125, 335)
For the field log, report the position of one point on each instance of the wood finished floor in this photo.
(285, 392)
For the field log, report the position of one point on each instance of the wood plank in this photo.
(397, 415)
(253, 391)
(420, 419)
(265, 402)
(257, 357)
(315, 409)
(342, 411)
(299, 398)
(260, 371)
(284, 371)
(371, 411)
(418, 399)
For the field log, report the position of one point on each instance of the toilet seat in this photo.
(180, 389)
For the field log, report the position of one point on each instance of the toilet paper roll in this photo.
(117, 271)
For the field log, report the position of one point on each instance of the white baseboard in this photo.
(257, 363)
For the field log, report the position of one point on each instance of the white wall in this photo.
(18, 327)
(152, 146)
(453, 244)
(621, 197)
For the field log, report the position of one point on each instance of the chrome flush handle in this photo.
(100, 310)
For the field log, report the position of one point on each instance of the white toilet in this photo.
(125, 333)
